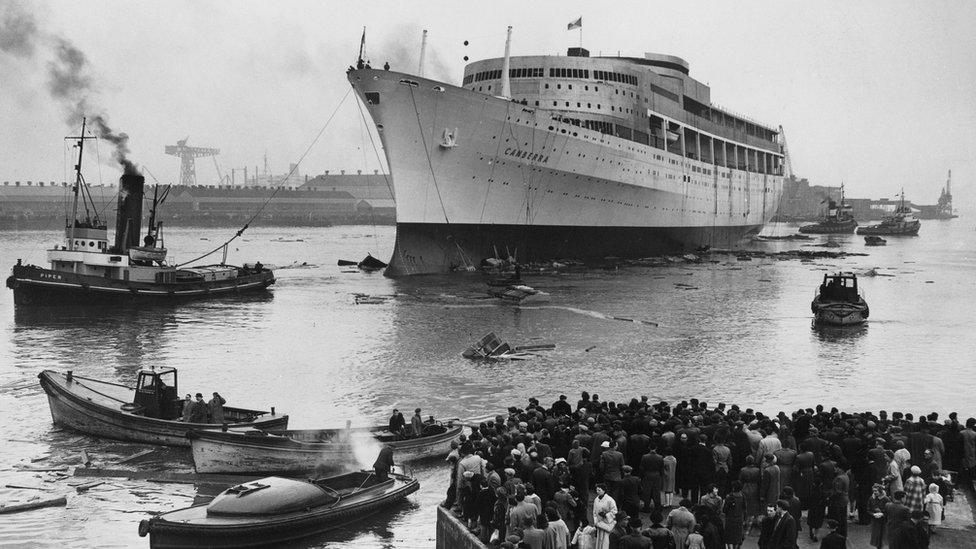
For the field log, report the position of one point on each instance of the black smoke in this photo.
(69, 76)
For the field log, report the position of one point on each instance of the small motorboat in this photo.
(838, 301)
(872, 240)
(250, 451)
(147, 413)
(274, 510)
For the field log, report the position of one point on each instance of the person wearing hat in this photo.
(562, 407)
(188, 405)
(630, 488)
(199, 412)
(915, 490)
(215, 407)
(611, 468)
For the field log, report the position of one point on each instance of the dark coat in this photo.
(704, 464)
(784, 534)
(833, 540)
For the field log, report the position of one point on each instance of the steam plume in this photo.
(401, 48)
(18, 30)
(69, 78)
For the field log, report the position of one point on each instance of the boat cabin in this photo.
(156, 394)
(839, 287)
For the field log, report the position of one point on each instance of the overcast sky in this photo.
(878, 94)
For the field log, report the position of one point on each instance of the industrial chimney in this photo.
(128, 220)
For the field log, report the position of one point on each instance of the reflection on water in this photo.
(838, 334)
(731, 331)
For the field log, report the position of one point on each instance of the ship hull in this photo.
(476, 175)
(431, 247)
(907, 229)
(37, 286)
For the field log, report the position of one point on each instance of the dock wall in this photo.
(452, 534)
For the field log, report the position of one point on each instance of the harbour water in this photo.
(727, 330)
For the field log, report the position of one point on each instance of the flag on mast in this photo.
(575, 24)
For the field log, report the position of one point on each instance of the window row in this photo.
(615, 77)
(569, 73)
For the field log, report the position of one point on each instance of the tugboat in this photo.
(838, 301)
(86, 269)
(902, 222)
(838, 219)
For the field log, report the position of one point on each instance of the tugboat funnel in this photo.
(128, 218)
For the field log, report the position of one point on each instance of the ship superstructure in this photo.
(582, 157)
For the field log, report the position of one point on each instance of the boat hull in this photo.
(840, 314)
(87, 409)
(192, 527)
(830, 228)
(430, 247)
(37, 286)
(910, 229)
(237, 453)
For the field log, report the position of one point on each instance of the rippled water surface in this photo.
(729, 330)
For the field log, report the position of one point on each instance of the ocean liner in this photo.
(580, 157)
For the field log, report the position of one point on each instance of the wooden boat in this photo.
(88, 269)
(147, 413)
(871, 240)
(249, 450)
(838, 301)
(274, 510)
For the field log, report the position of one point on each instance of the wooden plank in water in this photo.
(137, 456)
(55, 502)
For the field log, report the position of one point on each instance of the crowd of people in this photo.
(704, 477)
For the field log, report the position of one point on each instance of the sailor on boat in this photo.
(384, 463)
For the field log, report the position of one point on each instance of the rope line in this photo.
(376, 151)
(273, 193)
(430, 164)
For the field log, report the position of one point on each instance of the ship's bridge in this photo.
(651, 100)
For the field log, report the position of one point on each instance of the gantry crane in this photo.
(187, 155)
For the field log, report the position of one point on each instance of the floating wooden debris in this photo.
(134, 457)
(36, 504)
(491, 348)
(19, 487)
(81, 488)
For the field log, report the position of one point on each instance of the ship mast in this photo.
(423, 52)
(77, 185)
(506, 84)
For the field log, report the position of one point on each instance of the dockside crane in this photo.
(787, 163)
(188, 156)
